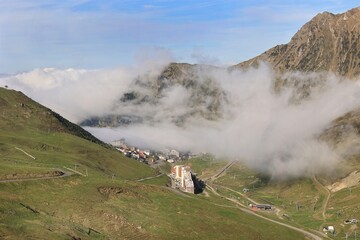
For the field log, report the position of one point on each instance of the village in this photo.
(151, 157)
(181, 176)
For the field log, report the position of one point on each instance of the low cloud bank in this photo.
(266, 122)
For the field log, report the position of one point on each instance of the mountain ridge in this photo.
(328, 42)
(27, 108)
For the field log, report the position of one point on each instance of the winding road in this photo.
(221, 171)
(244, 208)
(326, 202)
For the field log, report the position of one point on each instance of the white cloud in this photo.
(262, 128)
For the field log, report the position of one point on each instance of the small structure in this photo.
(351, 221)
(260, 207)
(330, 229)
(245, 190)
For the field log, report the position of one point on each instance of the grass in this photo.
(343, 205)
(238, 177)
(160, 181)
(71, 206)
(303, 192)
(101, 206)
(284, 195)
(57, 150)
(205, 166)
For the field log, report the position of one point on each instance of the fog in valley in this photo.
(262, 120)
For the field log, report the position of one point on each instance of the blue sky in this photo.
(107, 33)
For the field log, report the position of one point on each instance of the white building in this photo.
(182, 174)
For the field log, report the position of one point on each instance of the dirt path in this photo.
(65, 174)
(178, 192)
(277, 210)
(27, 154)
(327, 193)
(241, 194)
(245, 209)
(221, 171)
(148, 178)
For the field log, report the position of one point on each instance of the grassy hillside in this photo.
(97, 197)
(54, 142)
(301, 202)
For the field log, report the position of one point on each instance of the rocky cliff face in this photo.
(329, 42)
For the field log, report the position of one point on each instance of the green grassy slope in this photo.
(301, 200)
(55, 143)
(106, 204)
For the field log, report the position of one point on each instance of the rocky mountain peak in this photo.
(328, 42)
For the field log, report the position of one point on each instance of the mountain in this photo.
(59, 182)
(328, 42)
(344, 131)
(27, 110)
(69, 185)
(202, 96)
(32, 127)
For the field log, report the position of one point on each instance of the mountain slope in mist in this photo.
(276, 112)
(329, 42)
(185, 90)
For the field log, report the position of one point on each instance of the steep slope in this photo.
(53, 140)
(16, 106)
(36, 129)
(329, 42)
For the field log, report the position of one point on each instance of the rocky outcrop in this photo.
(329, 42)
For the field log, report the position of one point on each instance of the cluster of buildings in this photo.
(151, 157)
(180, 175)
(182, 178)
